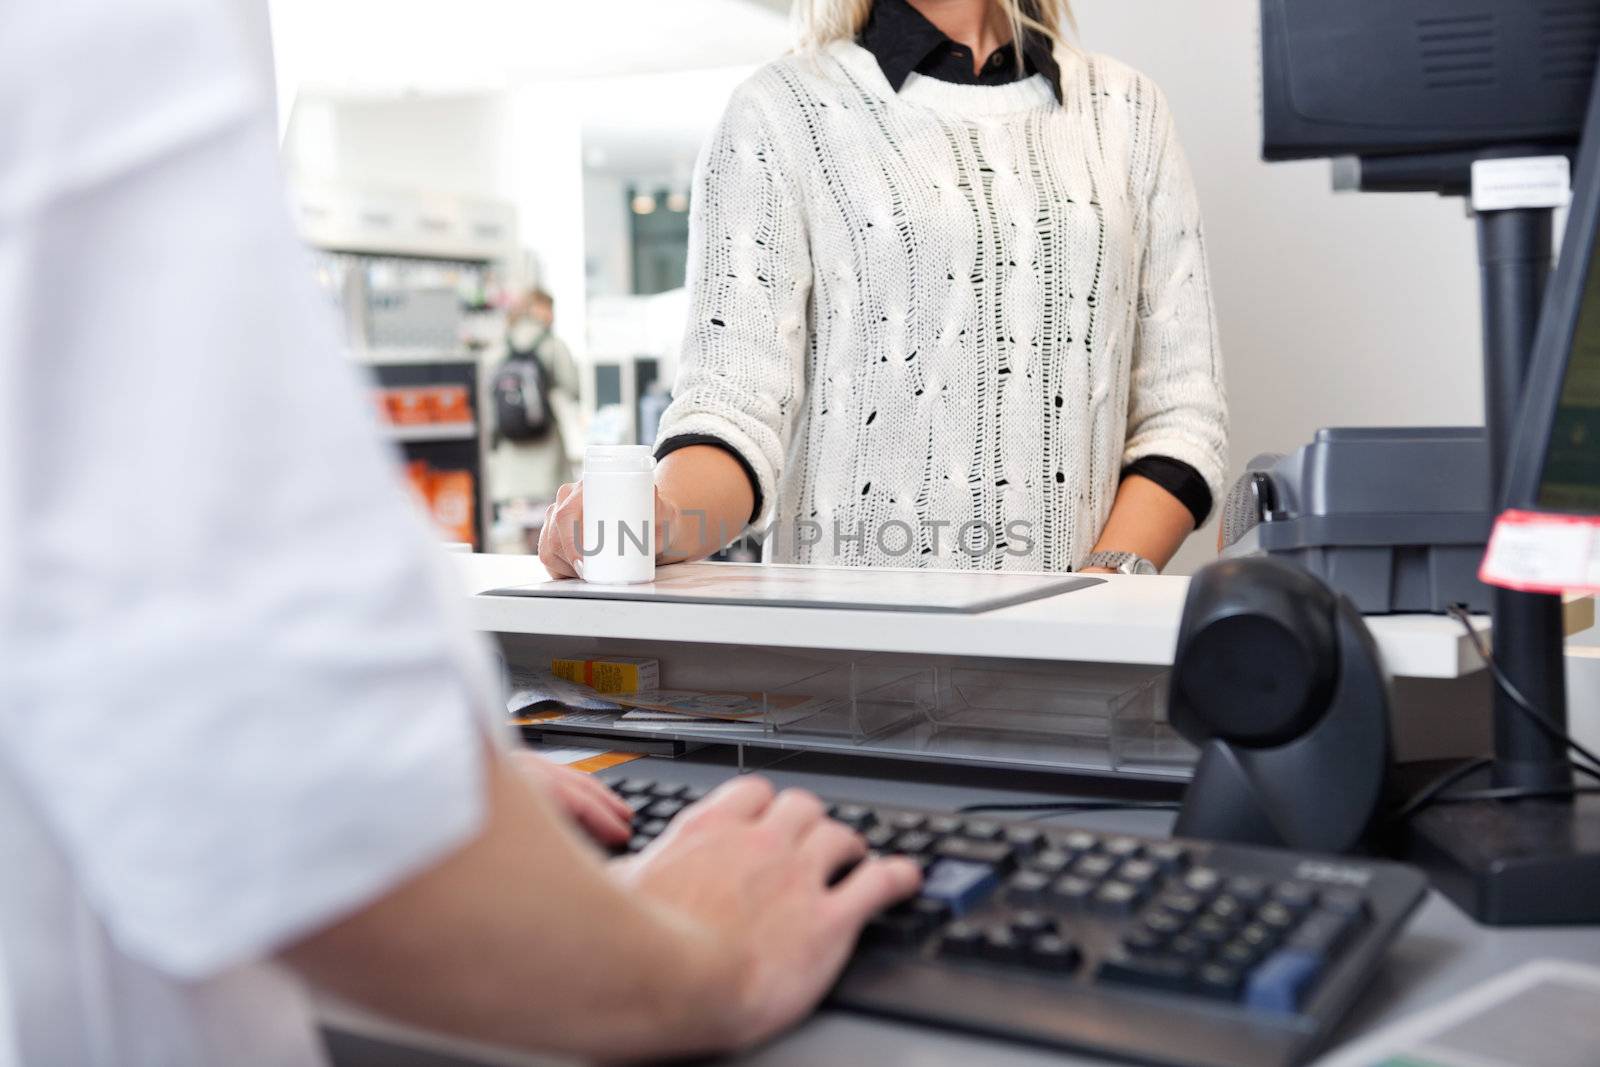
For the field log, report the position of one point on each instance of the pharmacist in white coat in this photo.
(243, 744)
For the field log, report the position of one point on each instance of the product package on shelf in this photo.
(610, 674)
(449, 497)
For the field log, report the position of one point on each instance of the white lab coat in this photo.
(232, 705)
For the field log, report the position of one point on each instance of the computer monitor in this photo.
(1554, 464)
(1376, 77)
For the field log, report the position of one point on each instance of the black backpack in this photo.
(522, 396)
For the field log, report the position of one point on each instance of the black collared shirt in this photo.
(903, 41)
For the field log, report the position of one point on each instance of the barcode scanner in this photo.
(1279, 683)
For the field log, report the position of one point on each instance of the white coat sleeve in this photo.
(231, 685)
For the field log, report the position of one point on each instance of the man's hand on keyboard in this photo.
(590, 803)
(784, 929)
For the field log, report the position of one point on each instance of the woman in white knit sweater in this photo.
(949, 307)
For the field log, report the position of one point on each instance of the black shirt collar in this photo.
(903, 40)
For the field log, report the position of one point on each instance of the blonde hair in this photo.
(822, 22)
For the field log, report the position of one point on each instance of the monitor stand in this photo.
(1514, 862)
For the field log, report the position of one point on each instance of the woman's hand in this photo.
(562, 532)
(603, 815)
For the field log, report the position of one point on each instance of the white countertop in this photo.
(1125, 620)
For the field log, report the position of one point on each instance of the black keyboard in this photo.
(1189, 953)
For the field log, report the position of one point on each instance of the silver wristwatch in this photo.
(1121, 562)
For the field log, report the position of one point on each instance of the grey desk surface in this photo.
(1441, 953)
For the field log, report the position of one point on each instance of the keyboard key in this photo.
(1298, 897)
(1000, 945)
(635, 785)
(1210, 929)
(1248, 890)
(1259, 937)
(664, 809)
(1238, 954)
(1031, 923)
(1202, 881)
(1138, 872)
(982, 829)
(913, 843)
(1281, 983)
(961, 939)
(1274, 916)
(854, 816)
(1322, 933)
(1048, 952)
(1170, 857)
(1185, 947)
(1027, 887)
(1080, 841)
(879, 836)
(962, 886)
(1094, 867)
(1218, 981)
(943, 824)
(1025, 839)
(1117, 898)
(667, 791)
(1143, 942)
(1050, 861)
(637, 802)
(638, 843)
(899, 931)
(1163, 973)
(908, 820)
(654, 828)
(1162, 922)
(1180, 902)
(992, 853)
(907, 924)
(694, 794)
(1227, 909)
(1072, 891)
(1124, 848)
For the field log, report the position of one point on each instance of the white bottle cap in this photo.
(618, 459)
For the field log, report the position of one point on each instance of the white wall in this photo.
(1334, 310)
(448, 144)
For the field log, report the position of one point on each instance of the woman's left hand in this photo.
(590, 803)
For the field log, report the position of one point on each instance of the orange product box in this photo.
(410, 406)
(450, 404)
(451, 500)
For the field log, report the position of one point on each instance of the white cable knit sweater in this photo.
(937, 324)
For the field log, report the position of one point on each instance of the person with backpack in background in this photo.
(533, 399)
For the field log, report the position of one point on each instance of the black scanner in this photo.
(1279, 683)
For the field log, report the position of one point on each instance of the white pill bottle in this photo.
(619, 515)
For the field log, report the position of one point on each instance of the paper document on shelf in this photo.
(678, 704)
(533, 690)
(1540, 1015)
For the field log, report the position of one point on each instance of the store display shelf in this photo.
(432, 431)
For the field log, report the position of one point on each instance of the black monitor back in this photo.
(1383, 77)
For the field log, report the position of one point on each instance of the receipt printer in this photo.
(1395, 519)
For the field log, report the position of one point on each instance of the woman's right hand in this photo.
(562, 532)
